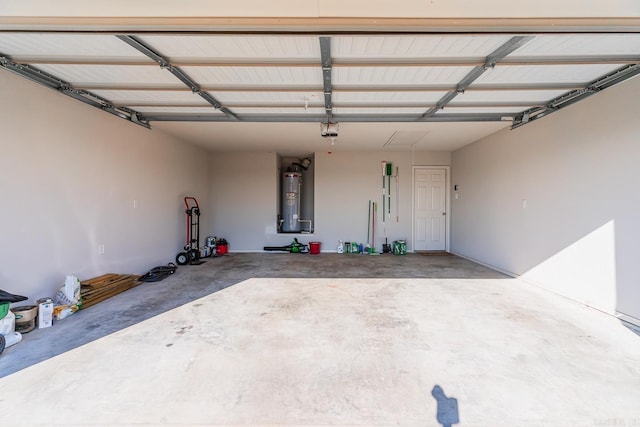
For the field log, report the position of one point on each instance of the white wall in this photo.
(346, 181)
(69, 175)
(578, 172)
(244, 208)
(243, 194)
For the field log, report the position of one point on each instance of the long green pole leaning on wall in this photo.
(397, 194)
(369, 225)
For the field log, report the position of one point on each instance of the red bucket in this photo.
(221, 249)
(314, 248)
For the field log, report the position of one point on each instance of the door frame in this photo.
(447, 202)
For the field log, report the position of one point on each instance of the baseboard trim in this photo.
(484, 264)
(628, 319)
(617, 314)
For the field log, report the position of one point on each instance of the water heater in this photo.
(291, 185)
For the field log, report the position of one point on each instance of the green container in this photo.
(4, 309)
(400, 247)
(389, 169)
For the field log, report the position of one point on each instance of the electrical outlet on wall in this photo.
(101, 249)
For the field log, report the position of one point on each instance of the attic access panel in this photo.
(304, 77)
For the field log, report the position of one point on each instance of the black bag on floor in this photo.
(158, 273)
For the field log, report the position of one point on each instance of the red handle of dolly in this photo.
(186, 202)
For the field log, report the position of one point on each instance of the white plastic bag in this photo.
(8, 323)
(72, 288)
(67, 300)
(69, 293)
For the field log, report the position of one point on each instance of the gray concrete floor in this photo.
(327, 340)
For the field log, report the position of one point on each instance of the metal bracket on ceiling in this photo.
(576, 95)
(327, 66)
(52, 82)
(165, 64)
(489, 63)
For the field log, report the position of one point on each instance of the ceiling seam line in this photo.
(383, 118)
(341, 105)
(341, 88)
(345, 63)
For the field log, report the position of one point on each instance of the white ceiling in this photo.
(304, 138)
(386, 91)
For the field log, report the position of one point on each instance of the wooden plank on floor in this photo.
(88, 302)
(106, 286)
(124, 281)
(111, 291)
(99, 279)
(103, 283)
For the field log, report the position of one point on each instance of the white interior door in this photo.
(430, 209)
